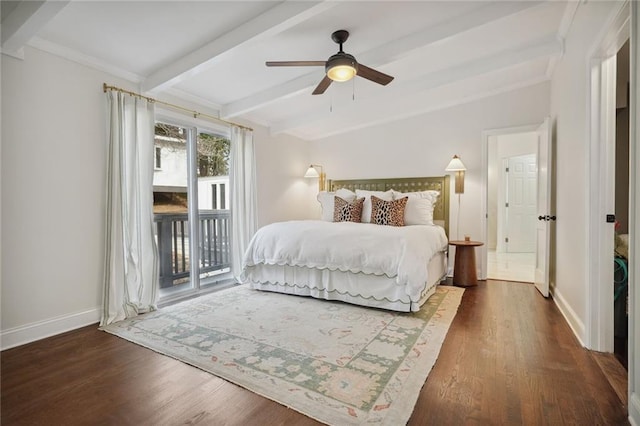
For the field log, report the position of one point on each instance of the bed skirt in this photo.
(356, 288)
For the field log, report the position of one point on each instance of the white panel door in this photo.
(521, 204)
(544, 219)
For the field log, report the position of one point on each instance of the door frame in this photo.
(634, 219)
(601, 71)
(484, 192)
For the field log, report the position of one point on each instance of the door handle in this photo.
(541, 218)
(550, 217)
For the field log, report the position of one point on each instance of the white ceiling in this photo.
(213, 52)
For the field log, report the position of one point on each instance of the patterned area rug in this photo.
(337, 363)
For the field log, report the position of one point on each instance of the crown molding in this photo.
(82, 59)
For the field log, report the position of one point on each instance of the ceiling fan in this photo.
(339, 67)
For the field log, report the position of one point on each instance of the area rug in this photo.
(337, 363)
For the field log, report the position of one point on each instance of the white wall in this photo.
(283, 192)
(205, 192)
(53, 192)
(53, 186)
(424, 145)
(173, 165)
(569, 113)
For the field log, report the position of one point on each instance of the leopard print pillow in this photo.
(347, 211)
(388, 212)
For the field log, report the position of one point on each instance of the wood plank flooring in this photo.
(509, 359)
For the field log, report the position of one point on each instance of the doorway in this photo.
(602, 181)
(602, 104)
(511, 204)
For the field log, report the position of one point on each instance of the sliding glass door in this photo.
(191, 215)
(213, 207)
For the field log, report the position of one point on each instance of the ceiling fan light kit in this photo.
(339, 67)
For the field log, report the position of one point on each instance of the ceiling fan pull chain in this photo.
(353, 89)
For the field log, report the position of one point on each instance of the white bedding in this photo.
(399, 253)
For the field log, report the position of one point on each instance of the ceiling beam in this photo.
(377, 117)
(545, 47)
(392, 51)
(24, 22)
(565, 24)
(275, 20)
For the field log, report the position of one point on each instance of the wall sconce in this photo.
(456, 165)
(312, 172)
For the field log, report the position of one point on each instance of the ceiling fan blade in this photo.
(322, 87)
(295, 63)
(373, 75)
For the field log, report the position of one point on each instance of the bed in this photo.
(389, 267)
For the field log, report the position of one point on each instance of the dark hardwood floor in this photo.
(509, 359)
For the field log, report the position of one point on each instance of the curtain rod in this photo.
(195, 114)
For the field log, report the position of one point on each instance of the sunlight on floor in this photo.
(510, 266)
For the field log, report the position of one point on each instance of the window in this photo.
(223, 202)
(192, 233)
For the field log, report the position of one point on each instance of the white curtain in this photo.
(131, 259)
(242, 182)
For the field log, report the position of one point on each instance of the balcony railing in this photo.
(173, 244)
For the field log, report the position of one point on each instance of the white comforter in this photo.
(401, 253)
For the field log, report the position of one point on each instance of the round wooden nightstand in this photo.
(464, 268)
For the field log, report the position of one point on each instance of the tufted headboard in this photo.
(414, 184)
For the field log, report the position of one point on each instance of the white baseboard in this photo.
(39, 330)
(570, 316)
(634, 409)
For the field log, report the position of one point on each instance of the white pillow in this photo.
(419, 208)
(327, 201)
(366, 208)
